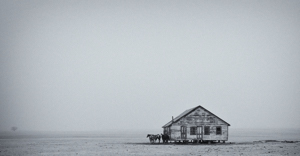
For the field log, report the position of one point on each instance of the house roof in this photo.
(185, 113)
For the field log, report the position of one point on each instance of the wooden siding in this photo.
(199, 118)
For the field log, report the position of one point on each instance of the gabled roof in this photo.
(185, 113)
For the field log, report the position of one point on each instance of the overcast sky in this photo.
(100, 65)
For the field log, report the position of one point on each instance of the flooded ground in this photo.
(241, 142)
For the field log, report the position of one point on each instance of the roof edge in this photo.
(192, 111)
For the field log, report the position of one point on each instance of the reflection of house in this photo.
(197, 124)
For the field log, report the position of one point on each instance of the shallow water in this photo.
(111, 143)
(235, 135)
(246, 135)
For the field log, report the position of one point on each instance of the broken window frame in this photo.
(206, 130)
(193, 130)
(219, 132)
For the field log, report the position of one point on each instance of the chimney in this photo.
(172, 119)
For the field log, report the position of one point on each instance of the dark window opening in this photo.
(193, 130)
(219, 130)
(207, 130)
(167, 130)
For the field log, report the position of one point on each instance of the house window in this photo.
(207, 130)
(193, 130)
(218, 130)
(167, 130)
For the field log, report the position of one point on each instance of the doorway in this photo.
(183, 132)
(199, 133)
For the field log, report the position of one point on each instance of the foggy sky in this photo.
(100, 65)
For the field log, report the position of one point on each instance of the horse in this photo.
(165, 138)
(153, 137)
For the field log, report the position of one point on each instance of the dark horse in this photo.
(153, 137)
(165, 138)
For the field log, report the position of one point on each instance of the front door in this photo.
(199, 133)
(183, 132)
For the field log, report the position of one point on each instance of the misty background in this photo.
(118, 65)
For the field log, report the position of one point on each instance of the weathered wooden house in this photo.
(197, 124)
